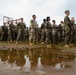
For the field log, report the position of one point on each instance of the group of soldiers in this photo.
(48, 33)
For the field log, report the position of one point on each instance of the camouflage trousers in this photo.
(32, 37)
(59, 34)
(67, 34)
(21, 35)
(54, 38)
(48, 37)
(72, 37)
(67, 37)
(43, 36)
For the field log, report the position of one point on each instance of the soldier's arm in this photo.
(24, 25)
(17, 26)
(41, 26)
(31, 24)
(66, 20)
(9, 26)
(2, 29)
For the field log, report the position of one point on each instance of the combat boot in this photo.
(67, 46)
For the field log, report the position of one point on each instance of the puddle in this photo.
(37, 59)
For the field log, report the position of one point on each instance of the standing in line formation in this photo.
(48, 33)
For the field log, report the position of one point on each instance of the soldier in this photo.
(54, 32)
(16, 29)
(59, 34)
(21, 31)
(0, 33)
(12, 31)
(4, 32)
(67, 23)
(72, 30)
(63, 32)
(74, 33)
(33, 30)
(48, 31)
(27, 34)
(43, 31)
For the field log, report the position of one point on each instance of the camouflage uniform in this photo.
(12, 31)
(54, 34)
(43, 32)
(0, 34)
(63, 33)
(21, 27)
(33, 29)
(59, 34)
(48, 32)
(72, 33)
(67, 23)
(27, 34)
(4, 33)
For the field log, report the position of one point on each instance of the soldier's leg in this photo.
(53, 38)
(56, 39)
(18, 36)
(67, 36)
(75, 37)
(59, 37)
(42, 36)
(47, 37)
(72, 38)
(30, 37)
(34, 38)
(14, 36)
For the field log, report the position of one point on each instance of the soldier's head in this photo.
(44, 20)
(61, 22)
(12, 21)
(53, 21)
(48, 18)
(34, 16)
(73, 20)
(21, 19)
(67, 12)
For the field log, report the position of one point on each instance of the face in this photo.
(72, 19)
(68, 13)
(61, 22)
(49, 19)
(22, 20)
(53, 22)
(34, 17)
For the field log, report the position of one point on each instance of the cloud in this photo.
(42, 8)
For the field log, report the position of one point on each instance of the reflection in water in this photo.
(35, 57)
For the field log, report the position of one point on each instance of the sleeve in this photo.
(67, 20)
(31, 24)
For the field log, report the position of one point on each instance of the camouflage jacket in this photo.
(11, 27)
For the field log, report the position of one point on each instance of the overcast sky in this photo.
(42, 8)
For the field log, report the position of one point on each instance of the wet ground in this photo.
(37, 61)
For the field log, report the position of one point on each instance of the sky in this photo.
(41, 8)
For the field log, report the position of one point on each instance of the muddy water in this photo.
(37, 61)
